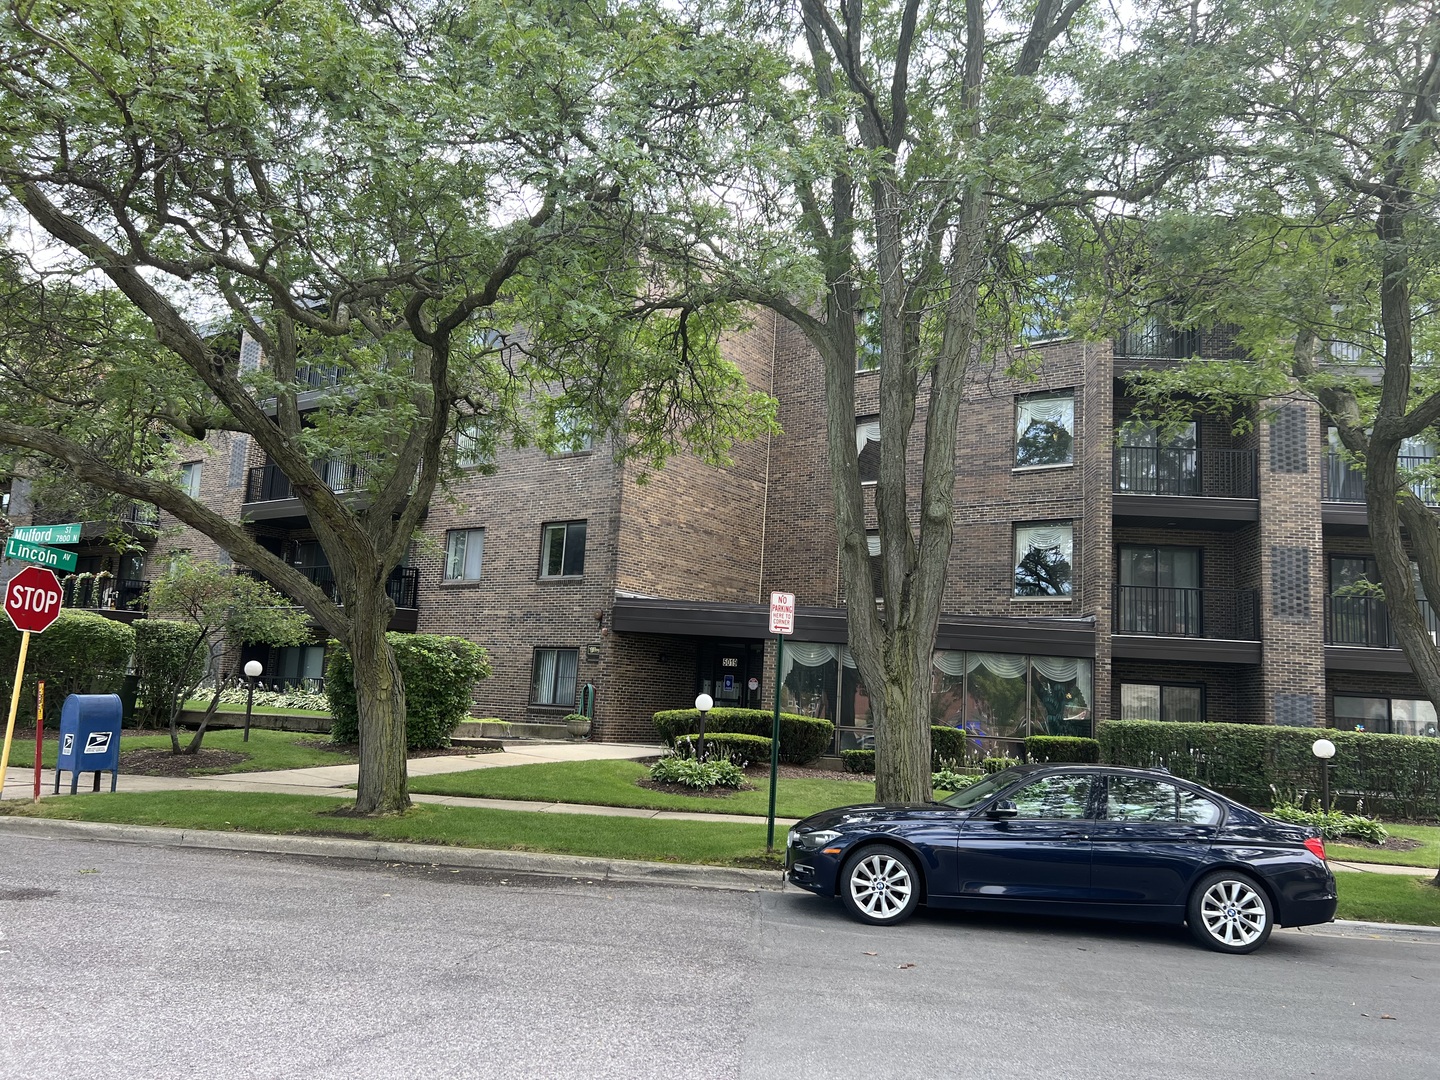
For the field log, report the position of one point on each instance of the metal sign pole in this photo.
(774, 746)
(14, 704)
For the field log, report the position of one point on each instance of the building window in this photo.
(1158, 459)
(472, 449)
(563, 549)
(552, 681)
(297, 666)
(1045, 429)
(1388, 716)
(867, 449)
(190, 479)
(1043, 554)
(572, 432)
(464, 549)
(1157, 701)
(1159, 590)
(877, 567)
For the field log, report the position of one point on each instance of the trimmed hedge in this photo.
(743, 750)
(81, 653)
(439, 675)
(1396, 775)
(170, 658)
(802, 738)
(1043, 748)
(947, 748)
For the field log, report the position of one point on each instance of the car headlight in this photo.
(812, 841)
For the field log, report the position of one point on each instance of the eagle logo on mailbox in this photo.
(97, 742)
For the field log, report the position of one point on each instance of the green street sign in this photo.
(50, 557)
(48, 534)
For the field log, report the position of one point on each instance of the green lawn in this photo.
(612, 783)
(1427, 854)
(1387, 898)
(266, 750)
(715, 843)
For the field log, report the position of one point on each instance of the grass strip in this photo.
(1387, 898)
(1427, 854)
(613, 783)
(265, 751)
(712, 843)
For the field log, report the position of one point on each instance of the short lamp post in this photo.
(253, 670)
(703, 704)
(1324, 750)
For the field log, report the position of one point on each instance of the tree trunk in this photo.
(380, 700)
(902, 770)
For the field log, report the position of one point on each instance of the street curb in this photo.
(518, 862)
(1383, 927)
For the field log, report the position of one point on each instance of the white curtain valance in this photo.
(1056, 409)
(1044, 538)
(949, 663)
(866, 433)
(809, 655)
(1005, 665)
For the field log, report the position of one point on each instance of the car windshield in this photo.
(981, 790)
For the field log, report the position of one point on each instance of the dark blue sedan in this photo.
(1085, 840)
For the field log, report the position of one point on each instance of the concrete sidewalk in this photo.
(336, 780)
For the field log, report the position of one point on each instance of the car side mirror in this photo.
(1002, 811)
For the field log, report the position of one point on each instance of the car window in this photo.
(1054, 797)
(1137, 799)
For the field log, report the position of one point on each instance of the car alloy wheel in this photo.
(881, 885)
(1230, 913)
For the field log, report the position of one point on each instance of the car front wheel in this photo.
(881, 886)
(1230, 913)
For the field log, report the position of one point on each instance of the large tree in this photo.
(460, 208)
(919, 164)
(1315, 232)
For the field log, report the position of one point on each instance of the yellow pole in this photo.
(14, 705)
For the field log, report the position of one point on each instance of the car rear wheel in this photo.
(1230, 913)
(881, 885)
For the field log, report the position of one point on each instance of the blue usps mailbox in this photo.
(89, 738)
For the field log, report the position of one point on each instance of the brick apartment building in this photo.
(1100, 570)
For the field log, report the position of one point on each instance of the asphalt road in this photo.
(140, 962)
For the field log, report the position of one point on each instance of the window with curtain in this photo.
(809, 679)
(563, 549)
(1059, 696)
(464, 550)
(552, 680)
(1045, 429)
(190, 479)
(1043, 554)
(1162, 701)
(996, 695)
(867, 449)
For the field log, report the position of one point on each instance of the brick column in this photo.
(1292, 577)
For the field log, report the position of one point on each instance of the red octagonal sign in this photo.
(32, 599)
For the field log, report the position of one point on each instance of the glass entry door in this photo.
(732, 672)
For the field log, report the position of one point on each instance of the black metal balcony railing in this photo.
(1365, 621)
(122, 594)
(1173, 470)
(402, 586)
(142, 514)
(1342, 482)
(317, 376)
(1154, 340)
(266, 483)
(1164, 611)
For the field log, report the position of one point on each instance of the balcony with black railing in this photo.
(266, 483)
(1167, 611)
(1364, 622)
(121, 598)
(1154, 339)
(1184, 471)
(1342, 481)
(402, 586)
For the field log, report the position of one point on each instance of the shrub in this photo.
(1334, 825)
(1042, 748)
(743, 750)
(1398, 775)
(439, 675)
(802, 738)
(950, 780)
(946, 744)
(701, 775)
(313, 700)
(81, 653)
(170, 659)
(858, 761)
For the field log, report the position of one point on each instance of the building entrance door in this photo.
(731, 672)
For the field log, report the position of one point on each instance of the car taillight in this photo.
(1316, 846)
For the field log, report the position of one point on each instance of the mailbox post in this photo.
(89, 738)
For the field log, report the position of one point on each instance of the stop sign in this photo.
(32, 599)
